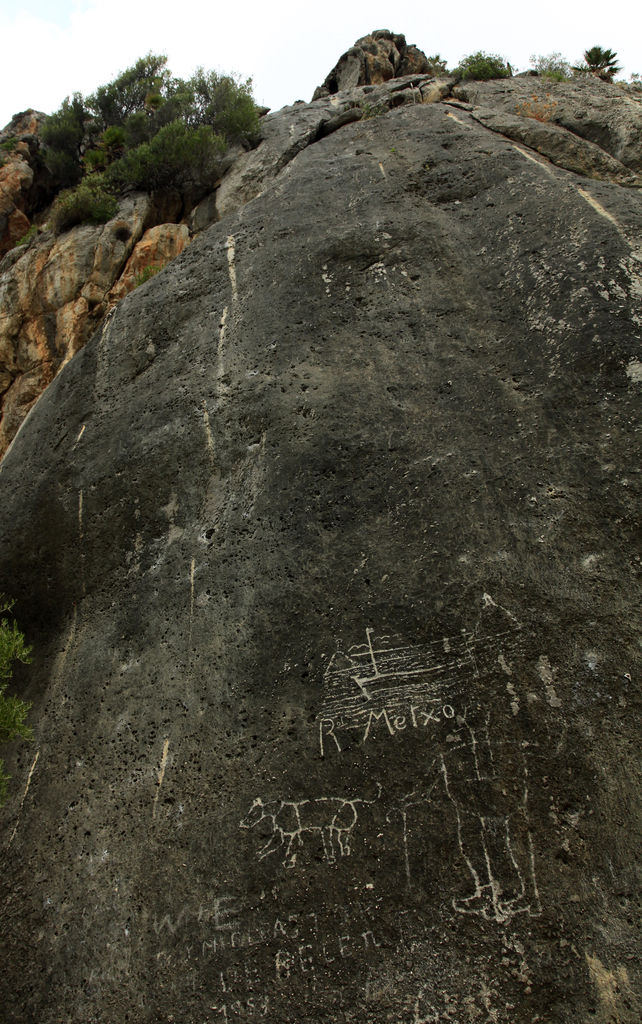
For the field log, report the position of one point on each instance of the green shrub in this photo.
(371, 110)
(552, 66)
(111, 145)
(7, 147)
(145, 130)
(482, 67)
(13, 711)
(89, 202)
(62, 137)
(28, 236)
(176, 156)
(221, 102)
(147, 273)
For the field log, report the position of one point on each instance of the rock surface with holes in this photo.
(327, 546)
(586, 126)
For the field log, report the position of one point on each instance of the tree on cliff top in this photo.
(145, 130)
(602, 63)
(13, 711)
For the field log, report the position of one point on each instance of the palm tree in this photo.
(602, 63)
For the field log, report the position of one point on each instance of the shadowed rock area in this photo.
(328, 546)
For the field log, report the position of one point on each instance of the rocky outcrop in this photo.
(18, 146)
(374, 59)
(607, 116)
(53, 294)
(326, 544)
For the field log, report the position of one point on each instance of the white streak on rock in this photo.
(634, 371)
(24, 796)
(599, 208)
(231, 251)
(161, 775)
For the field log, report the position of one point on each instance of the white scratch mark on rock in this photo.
(170, 509)
(598, 208)
(457, 119)
(231, 252)
(24, 796)
(191, 601)
(82, 431)
(221, 343)
(634, 371)
(382, 169)
(326, 278)
(161, 775)
(533, 160)
(546, 674)
(61, 658)
(208, 429)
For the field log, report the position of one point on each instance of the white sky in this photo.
(51, 48)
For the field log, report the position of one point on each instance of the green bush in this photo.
(147, 273)
(176, 156)
(7, 147)
(28, 236)
(145, 130)
(223, 103)
(552, 66)
(62, 137)
(89, 202)
(13, 711)
(438, 66)
(482, 67)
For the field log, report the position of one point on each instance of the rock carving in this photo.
(328, 819)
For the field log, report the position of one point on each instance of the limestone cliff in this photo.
(586, 126)
(328, 545)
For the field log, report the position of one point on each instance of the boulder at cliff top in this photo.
(327, 544)
(374, 59)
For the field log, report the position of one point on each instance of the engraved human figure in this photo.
(490, 811)
(487, 781)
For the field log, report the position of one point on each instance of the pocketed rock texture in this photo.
(586, 126)
(328, 546)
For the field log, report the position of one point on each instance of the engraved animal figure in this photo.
(328, 818)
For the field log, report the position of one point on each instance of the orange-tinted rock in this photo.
(157, 247)
(53, 297)
(374, 59)
(16, 178)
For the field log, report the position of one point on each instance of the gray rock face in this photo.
(326, 544)
(607, 115)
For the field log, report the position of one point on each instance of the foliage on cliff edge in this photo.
(146, 130)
